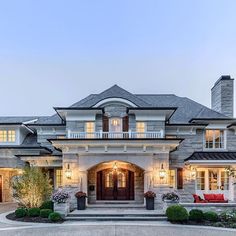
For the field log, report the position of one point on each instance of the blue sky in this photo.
(53, 53)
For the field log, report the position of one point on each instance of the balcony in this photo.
(115, 135)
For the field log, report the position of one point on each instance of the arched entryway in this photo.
(115, 180)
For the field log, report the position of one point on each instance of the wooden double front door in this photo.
(115, 184)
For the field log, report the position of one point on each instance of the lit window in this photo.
(214, 139)
(140, 129)
(200, 180)
(109, 180)
(213, 179)
(172, 178)
(58, 178)
(8, 136)
(224, 180)
(89, 129)
(115, 125)
(121, 180)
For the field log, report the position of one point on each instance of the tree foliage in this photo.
(32, 188)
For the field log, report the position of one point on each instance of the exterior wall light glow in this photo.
(115, 166)
(68, 172)
(162, 172)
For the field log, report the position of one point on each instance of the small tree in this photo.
(32, 188)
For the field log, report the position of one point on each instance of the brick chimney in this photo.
(222, 96)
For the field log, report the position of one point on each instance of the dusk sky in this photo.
(54, 53)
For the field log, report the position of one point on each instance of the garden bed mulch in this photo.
(38, 219)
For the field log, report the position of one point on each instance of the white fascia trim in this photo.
(121, 100)
(29, 122)
(215, 162)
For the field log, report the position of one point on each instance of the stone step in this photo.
(111, 206)
(116, 218)
(116, 215)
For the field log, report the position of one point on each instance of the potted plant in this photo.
(170, 197)
(150, 196)
(61, 202)
(81, 200)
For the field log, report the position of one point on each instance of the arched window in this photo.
(121, 183)
(109, 180)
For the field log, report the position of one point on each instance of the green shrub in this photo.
(211, 216)
(177, 213)
(20, 212)
(47, 205)
(227, 216)
(196, 215)
(233, 225)
(33, 212)
(44, 213)
(218, 224)
(55, 216)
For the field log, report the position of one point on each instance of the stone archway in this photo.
(126, 182)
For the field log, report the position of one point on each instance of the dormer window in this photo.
(7, 136)
(214, 139)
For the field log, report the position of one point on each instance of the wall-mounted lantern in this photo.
(162, 172)
(115, 166)
(193, 173)
(68, 172)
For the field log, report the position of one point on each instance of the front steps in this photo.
(116, 212)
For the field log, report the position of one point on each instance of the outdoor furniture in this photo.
(210, 198)
(215, 198)
(198, 199)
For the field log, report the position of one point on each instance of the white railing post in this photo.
(69, 133)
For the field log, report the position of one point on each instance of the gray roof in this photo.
(187, 108)
(212, 156)
(16, 119)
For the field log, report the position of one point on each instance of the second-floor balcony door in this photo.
(115, 127)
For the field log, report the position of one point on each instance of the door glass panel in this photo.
(121, 180)
(224, 180)
(115, 125)
(172, 179)
(213, 180)
(200, 180)
(109, 180)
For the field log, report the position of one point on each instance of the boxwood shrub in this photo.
(47, 205)
(55, 216)
(177, 213)
(196, 215)
(33, 212)
(211, 216)
(20, 212)
(44, 213)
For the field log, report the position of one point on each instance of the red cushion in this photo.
(219, 197)
(209, 197)
(196, 197)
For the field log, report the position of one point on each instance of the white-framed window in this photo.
(214, 139)
(141, 128)
(200, 178)
(58, 178)
(7, 136)
(90, 129)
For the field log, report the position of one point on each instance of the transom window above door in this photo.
(214, 139)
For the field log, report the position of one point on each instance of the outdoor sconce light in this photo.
(68, 172)
(193, 173)
(162, 172)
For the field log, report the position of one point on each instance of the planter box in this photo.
(62, 208)
(150, 203)
(81, 203)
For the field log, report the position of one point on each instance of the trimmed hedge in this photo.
(47, 205)
(196, 215)
(55, 216)
(177, 213)
(20, 212)
(33, 212)
(44, 213)
(211, 216)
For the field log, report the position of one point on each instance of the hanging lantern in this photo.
(162, 172)
(68, 172)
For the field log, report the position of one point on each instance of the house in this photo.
(116, 145)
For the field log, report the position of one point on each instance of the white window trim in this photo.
(215, 149)
(116, 117)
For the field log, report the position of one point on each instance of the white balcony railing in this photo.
(115, 135)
